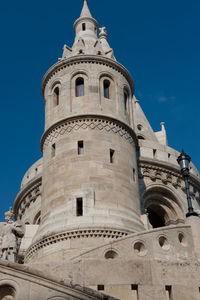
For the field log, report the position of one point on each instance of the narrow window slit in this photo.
(79, 207)
(100, 287)
(83, 27)
(56, 95)
(80, 148)
(134, 175)
(168, 290)
(106, 87)
(53, 150)
(112, 152)
(134, 288)
(125, 102)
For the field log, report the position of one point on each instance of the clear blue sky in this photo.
(157, 41)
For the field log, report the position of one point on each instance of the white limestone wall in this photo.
(34, 171)
(93, 101)
(162, 153)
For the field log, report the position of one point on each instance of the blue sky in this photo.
(157, 41)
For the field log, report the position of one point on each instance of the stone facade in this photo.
(105, 207)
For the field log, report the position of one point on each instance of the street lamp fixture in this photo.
(184, 163)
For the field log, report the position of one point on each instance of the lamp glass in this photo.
(184, 163)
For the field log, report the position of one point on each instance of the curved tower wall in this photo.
(89, 182)
(94, 71)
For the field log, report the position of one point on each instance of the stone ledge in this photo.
(74, 234)
(92, 122)
(35, 276)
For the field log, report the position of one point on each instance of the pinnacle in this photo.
(85, 10)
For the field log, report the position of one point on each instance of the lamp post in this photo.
(184, 163)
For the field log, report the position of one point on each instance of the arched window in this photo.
(156, 216)
(79, 87)
(162, 207)
(7, 292)
(106, 88)
(56, 93)
(125, 101)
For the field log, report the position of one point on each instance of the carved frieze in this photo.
(148, 171)
(75, 234)
(99, 123)
(26, 196)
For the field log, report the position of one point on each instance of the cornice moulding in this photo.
(30, 186)
(85, 19)
(59, 124)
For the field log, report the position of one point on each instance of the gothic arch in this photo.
(162, 206)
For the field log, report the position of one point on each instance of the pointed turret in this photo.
(85, 10)
(86, 37)
(104, 43)
(162, 135)
(142, 126)
(86, 28)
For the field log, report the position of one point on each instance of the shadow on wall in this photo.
(161, 205)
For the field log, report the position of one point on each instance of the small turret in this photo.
(85, 28)
(86, 37)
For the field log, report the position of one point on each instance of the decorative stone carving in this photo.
(60, 65)
(11, 237)
(26, 196)
(100, 123)
(75, 234)
(171, 177)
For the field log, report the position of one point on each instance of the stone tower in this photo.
(90, 180)
(105, 208)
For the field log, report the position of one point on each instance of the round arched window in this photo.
(106, 88)
(79, 87)
(56, 94)
(7, 292)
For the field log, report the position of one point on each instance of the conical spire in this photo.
(86, 37)
(85, 10)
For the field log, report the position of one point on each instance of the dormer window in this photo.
(106, 87)
(83, 27)
(79, 87)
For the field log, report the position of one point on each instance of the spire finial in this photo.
(85, 11)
